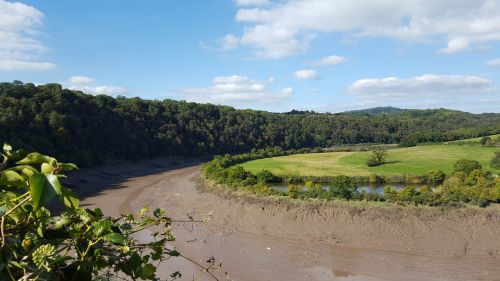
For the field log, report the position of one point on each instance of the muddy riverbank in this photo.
(271, 239)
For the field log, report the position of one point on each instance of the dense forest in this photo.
(87, 129)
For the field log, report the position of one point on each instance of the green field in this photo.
(400, 161)
(474, 140)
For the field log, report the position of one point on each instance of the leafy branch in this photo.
(78, 244)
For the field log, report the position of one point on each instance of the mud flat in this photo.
(275, 239)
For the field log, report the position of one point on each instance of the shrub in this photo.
(485, 140)
(495, 161)
(260, 189)
(466, 166)
(436, 177)
(294, 190)
(408, 194)
(390, 193)
(343, 187)
(265, 176)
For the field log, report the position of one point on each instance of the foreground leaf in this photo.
(116, 238)
(43, 188)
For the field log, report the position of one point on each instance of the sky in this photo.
(275, 55)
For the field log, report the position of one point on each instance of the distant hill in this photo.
(376, 111)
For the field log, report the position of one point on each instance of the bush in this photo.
(485, 140)
(495, 161)
(408, 194)
(294, 190)
(390, 193)
(466, 166)
(343, 187)
(436, 177)
(265, 176)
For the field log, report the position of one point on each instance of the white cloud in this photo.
(306, 74)
(493, 62)
(429, 86)
(80, 80)
(101, 90)
(235, 90)
(6, 64)
(19, 47)
(288, 27)
(312, 91)
(252, 2)
(330, 60)
(230, 42)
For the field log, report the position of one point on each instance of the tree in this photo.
(485, 140)
(408, 141)
(377, 157)
(495, 161)
(78, 244)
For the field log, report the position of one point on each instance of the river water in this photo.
(377, 188)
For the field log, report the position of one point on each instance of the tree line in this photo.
(87, 129)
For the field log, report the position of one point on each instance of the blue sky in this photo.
(322, 55)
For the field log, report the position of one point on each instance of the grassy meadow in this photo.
(400, 161)
(472, 141)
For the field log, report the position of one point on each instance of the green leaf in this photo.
(43, 188)
(69, 199)
(102, 227)
(68, 166)
(116, 238)
(54, 183)
(147, 272)
(24, 169)
(35, 158)
(11, 178)
(62, 222)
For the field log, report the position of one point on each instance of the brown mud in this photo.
(277, 239)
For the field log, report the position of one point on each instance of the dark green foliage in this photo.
(485, 140)
(466, 166)
(265, 176)
(96, 129)
(408, 141)
(436, 177)
(495, 161)
(344, 187)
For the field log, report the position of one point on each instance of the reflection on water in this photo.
(368, 188)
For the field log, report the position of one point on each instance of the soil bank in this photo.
(272, 239)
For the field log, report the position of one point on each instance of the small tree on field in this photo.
(378, 157)
(485, 140)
